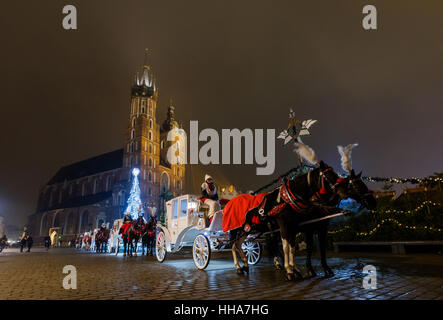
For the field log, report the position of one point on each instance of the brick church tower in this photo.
(146, 144)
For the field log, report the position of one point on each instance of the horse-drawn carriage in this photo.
(187, 226)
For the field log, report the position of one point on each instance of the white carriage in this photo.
(186, 227)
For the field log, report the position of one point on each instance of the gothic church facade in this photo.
(83, 195)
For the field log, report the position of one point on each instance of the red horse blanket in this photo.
(235, 211)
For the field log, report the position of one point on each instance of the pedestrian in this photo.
(24, 238)
(29, 242)
(47, 242)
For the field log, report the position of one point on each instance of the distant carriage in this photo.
(186, 226)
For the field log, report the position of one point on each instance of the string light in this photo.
(417, 209)
(412, 180)
(371, 232)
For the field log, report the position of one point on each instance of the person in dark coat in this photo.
(29, 242)
(24, 238)
(47, 242)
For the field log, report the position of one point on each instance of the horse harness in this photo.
(296, 202)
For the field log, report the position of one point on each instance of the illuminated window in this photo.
(174, 209)
(183, 207)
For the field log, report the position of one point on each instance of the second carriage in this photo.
(187, 226)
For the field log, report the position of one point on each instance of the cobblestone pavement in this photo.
(38, 275)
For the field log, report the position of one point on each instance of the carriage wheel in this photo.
(252, 249)
(160, 247)
(201, 252)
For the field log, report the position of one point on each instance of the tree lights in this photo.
(135, 207)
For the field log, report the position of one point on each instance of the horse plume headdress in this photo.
(345, 153)
(305, 152)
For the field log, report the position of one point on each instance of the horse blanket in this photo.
(234, 213)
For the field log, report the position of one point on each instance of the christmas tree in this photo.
(134, 202)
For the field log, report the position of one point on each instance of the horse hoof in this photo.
(328, 272)
(290, 277)
(240, 271)
(245, 269)
(311, 272)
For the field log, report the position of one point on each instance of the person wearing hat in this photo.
(210, 196)
(127, 218)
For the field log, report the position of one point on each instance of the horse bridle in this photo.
(352, 185)
(322, 177)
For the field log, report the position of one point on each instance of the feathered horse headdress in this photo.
(345, 153)
(305, 152)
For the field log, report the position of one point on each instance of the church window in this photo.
(143, 106)
(132, 134)
(133, 122)
(95, 186)
(83, 189)
(108, 183)
(150, 123)
(150, 148)
(150, 135)
(149, 192)
(150, 176)
(132, 147)
(150, 163)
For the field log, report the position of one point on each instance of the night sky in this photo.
(229, 64)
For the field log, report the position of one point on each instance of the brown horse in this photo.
(101, 240)
(283, 208)
(131, 233)
(148, 236)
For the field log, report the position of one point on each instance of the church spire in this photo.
(145, 83)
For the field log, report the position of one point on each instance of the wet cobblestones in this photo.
(38, 275)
